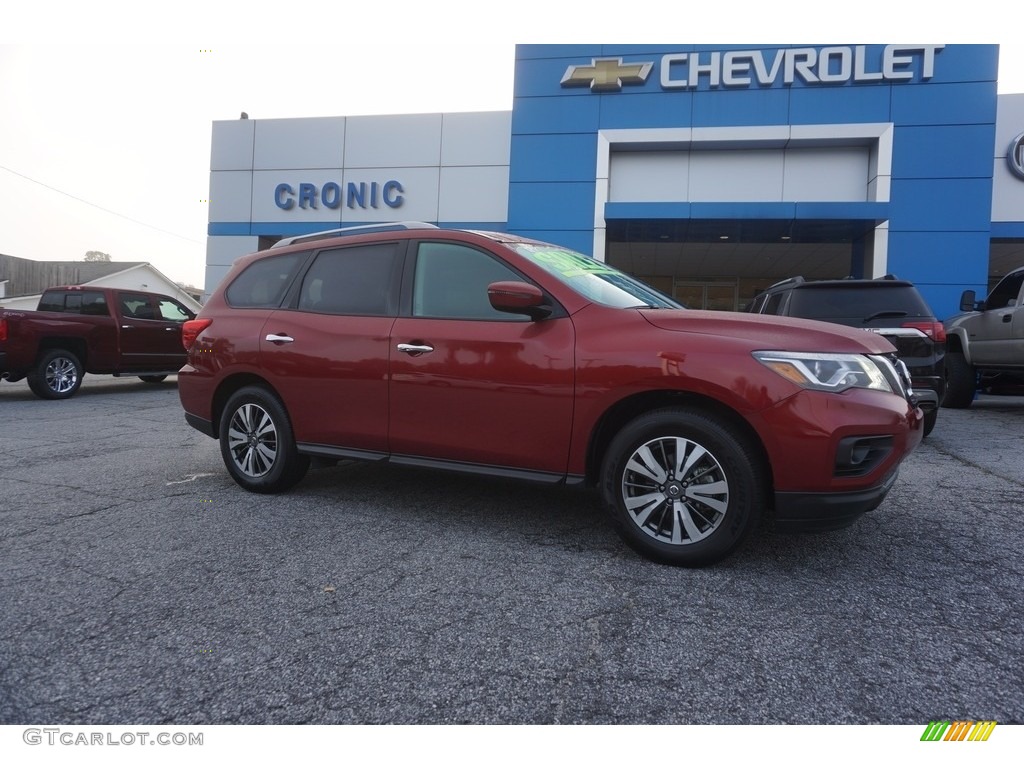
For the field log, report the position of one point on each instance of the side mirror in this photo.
(518, 298)
(967, 301)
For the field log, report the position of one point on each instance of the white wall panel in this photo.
(393, 141)
(644, 177)
(265, 183)
(476, 138)
(1007, 189)
(222, 250)
(743, 176)
(231, 145)
(307, 143)
(419, 185)
(826, 175)
(230, 195)
(473, 194)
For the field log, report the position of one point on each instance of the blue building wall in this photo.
(939, 212)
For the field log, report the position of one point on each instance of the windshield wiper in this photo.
(884, 313)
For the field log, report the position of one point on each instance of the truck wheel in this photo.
(683, 487)
(257, 444)
(152, 379)
(929, 421)
(960, 381)
(57, 375)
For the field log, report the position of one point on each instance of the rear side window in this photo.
(264, 282)
(76, 303)
(351, 281)
(771, 306)
(858, 304)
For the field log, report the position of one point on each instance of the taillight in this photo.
(191, 329)
(934, 330)
(3, 329)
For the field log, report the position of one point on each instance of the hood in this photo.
(771, 332)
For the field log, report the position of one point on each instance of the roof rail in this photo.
(797, 279)
(364, 229)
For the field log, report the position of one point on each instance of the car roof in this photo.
(393, 226)
(888, 281)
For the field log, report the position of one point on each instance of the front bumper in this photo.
(804, 512)
(835, 457)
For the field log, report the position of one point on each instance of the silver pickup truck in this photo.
(985, 344)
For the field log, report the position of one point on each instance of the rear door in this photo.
(327, 351)
(469, 383)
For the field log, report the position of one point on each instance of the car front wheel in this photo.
(257, 444)
(683, 487)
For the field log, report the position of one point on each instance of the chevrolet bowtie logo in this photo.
(607, 74)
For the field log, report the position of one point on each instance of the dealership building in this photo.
(709, 171)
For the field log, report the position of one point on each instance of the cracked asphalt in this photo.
(140, 585)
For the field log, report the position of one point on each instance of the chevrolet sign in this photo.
(830, 65)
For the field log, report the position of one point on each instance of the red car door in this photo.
(470, 383)
(327, 355)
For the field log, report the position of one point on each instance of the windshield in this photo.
(594, 279)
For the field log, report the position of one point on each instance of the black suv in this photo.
(885, 305)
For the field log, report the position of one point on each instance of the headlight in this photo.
(824, 371)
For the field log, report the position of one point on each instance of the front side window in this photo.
(263, 283)
(451, 282)
(351, 281)
(1006, 291)
(136, 306)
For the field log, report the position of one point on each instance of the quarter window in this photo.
(451, 282)
(263, 283)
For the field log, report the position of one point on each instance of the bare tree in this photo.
(97, 256)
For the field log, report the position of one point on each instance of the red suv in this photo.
(490, 353)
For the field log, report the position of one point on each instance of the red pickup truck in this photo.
(100, 330)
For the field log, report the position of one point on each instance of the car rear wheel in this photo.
(960, 381)
(257, 444)
(682, 486)
(57, 375)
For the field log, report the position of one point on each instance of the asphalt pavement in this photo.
(139, 584)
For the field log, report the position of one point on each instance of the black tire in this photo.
(929, 421)
(57, 375)
(257, 444)
(152, 379)
(677, 523)
(960, 381)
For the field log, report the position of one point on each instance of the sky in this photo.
(106, 107)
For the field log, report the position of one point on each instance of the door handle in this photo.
(414, 350)
(279, 338)
(1008, 317)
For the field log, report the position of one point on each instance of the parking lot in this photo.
(139, 584)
